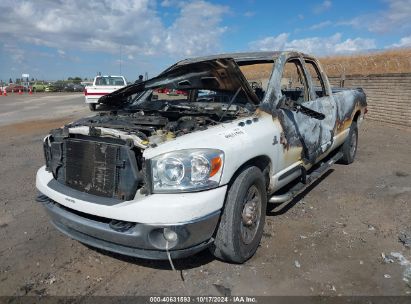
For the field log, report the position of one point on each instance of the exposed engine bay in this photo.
(103, 155)
(164, 120)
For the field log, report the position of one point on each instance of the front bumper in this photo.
(154, 209)
(133, 239)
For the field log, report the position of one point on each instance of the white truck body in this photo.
(103, 85)
(276, 144)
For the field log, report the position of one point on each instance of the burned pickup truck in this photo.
(163, 177)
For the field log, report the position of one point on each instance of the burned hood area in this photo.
(182, 99)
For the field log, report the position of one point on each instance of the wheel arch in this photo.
(356, 116)
(263, 162)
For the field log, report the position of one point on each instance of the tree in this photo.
(77, 79)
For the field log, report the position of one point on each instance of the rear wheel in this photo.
(242, 222)
(92, 106)
(349, 148)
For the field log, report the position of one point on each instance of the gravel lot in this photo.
(329, 241)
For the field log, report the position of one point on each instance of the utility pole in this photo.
(120, 59)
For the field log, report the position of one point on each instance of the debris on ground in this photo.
(225, 291)
(405, 238)
(401, 174)
(406, 276)
(27, 287)
(50, 279)
(371, 227)
(387, 258)
(297, 264)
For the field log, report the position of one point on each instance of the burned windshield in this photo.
(193, 97)
(211, 81)
(254, 76)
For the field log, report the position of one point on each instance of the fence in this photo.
(388, 95)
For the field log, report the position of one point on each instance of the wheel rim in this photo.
(353, 144)
(251, 214)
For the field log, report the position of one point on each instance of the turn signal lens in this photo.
(216, 163)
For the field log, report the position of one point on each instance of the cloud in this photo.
(167, 3)
(404, 42)
(397, 17)
(249, 14)
(172, 3)
(197, 30)
(320, 25)
(324, 6)
(17, 54)
(315, 45)
(104, 26)
(270, 43)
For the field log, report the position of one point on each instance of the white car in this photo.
(102, 85)
(162, 178)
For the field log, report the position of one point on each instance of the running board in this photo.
(307, 179)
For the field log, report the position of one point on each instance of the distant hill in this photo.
(390, 61)
(376, 62)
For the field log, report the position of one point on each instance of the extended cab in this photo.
(102, 85)
(163, 177)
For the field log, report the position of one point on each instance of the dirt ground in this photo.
(329, 241)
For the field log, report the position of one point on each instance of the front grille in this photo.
(101, 168)
(91, 167)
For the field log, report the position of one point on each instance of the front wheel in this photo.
(92, 106)
(242, 222)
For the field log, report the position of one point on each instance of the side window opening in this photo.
(258, 76)
(294, 83)
(318, 83)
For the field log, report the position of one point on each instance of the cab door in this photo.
(323, 101)
(301, 130)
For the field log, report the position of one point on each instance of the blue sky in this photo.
(57, 39)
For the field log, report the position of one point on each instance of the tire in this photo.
(92, 106)
(241, 227)
(349, 148)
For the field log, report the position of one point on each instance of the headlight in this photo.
(187, 170)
